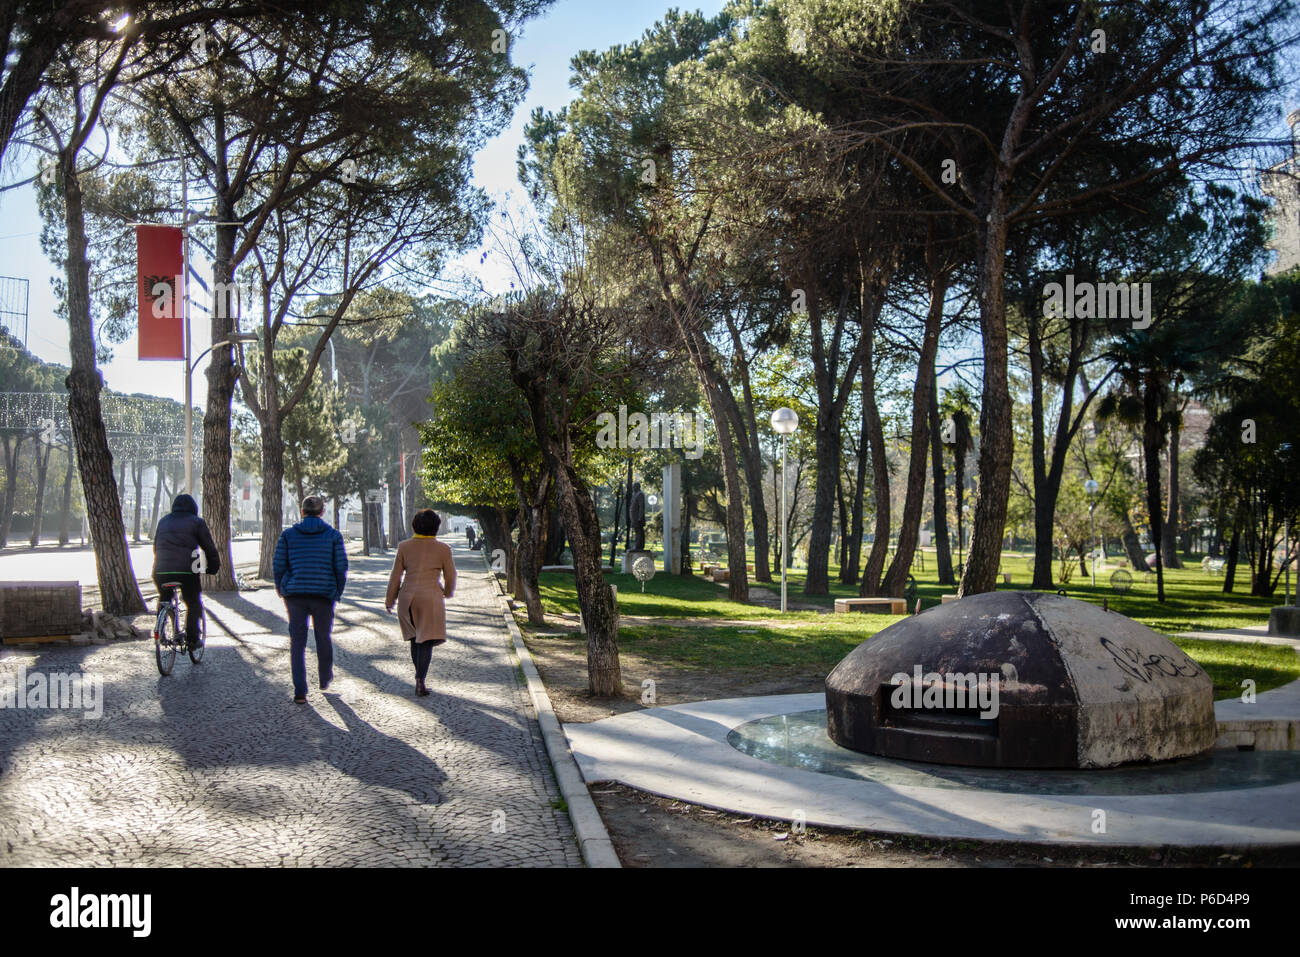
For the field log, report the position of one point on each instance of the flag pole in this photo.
(184, 292)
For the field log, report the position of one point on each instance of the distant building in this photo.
(1281, 183)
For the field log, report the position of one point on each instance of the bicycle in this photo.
(169, 636)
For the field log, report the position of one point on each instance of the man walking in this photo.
(311, 568)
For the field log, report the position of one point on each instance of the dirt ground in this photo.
(562, 663)
(649, 831)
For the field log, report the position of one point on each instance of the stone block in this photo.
(878, 605)
(1284, 620)
(39, 609)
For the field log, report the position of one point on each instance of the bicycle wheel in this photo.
(164, 641)
(196, 654)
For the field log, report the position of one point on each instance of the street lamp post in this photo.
(784, 421)
(1282, 451)
(1091, 488)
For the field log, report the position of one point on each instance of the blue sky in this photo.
(545, 49)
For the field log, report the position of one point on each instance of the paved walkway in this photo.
(1248, 635)
(215, 766)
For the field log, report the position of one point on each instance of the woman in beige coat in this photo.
(423, 576)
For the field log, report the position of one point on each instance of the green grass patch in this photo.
(1229, 663)
(816, 646)
(665, 596)
(684, 638)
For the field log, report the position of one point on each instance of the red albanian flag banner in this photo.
(159, 270)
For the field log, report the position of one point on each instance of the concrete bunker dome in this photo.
(1077, 687)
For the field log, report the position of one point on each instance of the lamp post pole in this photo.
(784, 421)
(1283, 449)
(184, 293)
(1091, 487)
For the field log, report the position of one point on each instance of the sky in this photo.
(545, 49)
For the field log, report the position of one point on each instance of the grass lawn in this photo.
(701, 629)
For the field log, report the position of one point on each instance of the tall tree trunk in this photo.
(875, 567)
(1151, 452)
(1234, 552)
(119, 593)
(752, 460)
(137, 480)
(1044, 501)
(157, 496)
(745, 424)
(909, 531)
(43, 451)
(960, 451)
(1220, 523)
(498, 548)
(997, 448)
(714, 384)
(65, 511)
(1133, 545)
(737, 563)
(599, 613)
(939, 492)
(620, 506)
(221, 375)
(687, 505)
(534, 519)
(832, 395)
(581, 521)
(817, 579)
(1262, 584)
(272, 492)
(554, 536)
(11, 484)
(1169, 539)
(853, 548)
(396, 521)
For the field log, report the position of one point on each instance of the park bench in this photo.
(1212, 566)
(881, 606)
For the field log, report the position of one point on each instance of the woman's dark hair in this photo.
(425, 522)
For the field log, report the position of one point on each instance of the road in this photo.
(51, 563)
(216, 766)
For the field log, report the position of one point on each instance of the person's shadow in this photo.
(265, 729)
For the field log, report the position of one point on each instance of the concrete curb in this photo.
(593, 839)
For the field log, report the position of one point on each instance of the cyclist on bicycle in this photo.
(183, 550)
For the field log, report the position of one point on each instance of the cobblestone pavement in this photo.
(216, 766)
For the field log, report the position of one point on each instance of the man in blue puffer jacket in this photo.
(311, 568)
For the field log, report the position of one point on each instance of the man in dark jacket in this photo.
(183, 550)
(311, 568)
